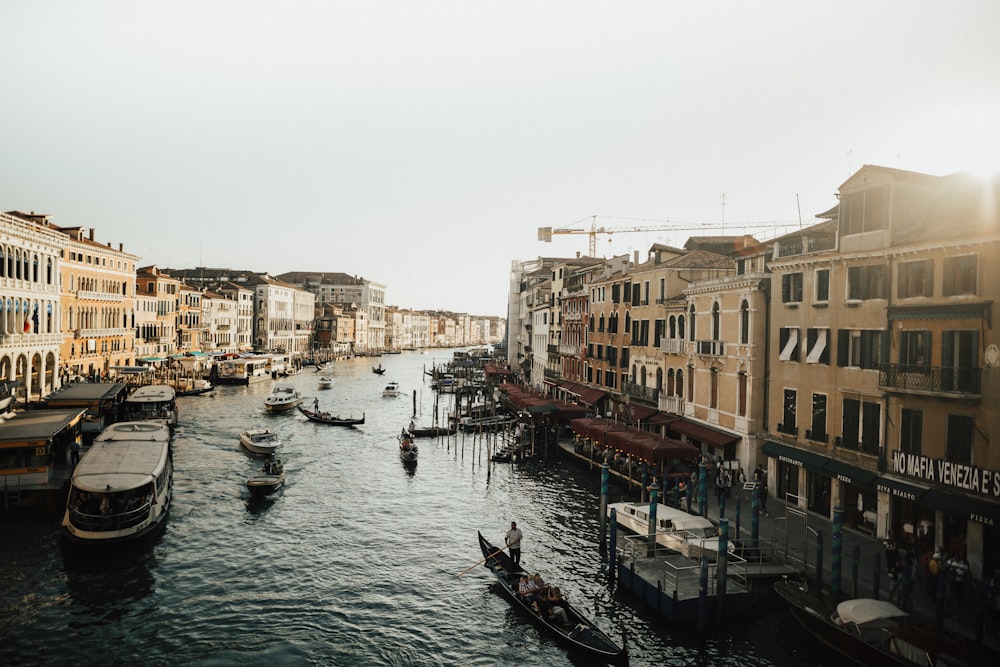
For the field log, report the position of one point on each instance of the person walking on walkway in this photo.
(513, 541)
(957, 572)
(935, 564)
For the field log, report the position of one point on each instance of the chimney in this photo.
(91, 233)
(636, 257)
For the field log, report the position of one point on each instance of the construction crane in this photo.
(546, 233)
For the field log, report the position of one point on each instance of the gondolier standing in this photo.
(513, 540)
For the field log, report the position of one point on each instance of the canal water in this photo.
(354, 562)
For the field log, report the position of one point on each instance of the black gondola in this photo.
(378, 370)
(327, 418)
(580, 634)
(432, 431)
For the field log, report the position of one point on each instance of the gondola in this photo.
(327, 418)
(378, 370)
(432, 432)
(580, 634)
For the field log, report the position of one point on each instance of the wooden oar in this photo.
(479, 562)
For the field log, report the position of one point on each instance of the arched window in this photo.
(680, 327)
(628, 323)
(670, 382)
(680, 384)
(741, 391)
(659, 380)
(672, 323)
(716, 322)
(691, 313)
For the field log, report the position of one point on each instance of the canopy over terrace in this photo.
(634, 442)
(536, 403)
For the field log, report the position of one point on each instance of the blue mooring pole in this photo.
(721, 563)
(836, 545)
(755, 517)
(651, 548)
(604, 505)
(703, 489)
(613, 553)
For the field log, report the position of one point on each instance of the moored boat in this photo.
(282, 398)
(688, 534)
(877, 632)
(152, 402)
(260, 441)
(579, 634)
(327, 418)
(122, 487)
(431, 431)
(270, 478)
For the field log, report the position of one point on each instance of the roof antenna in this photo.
(798, 205)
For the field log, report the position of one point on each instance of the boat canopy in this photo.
(866, 611)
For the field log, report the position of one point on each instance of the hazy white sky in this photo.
(421, 144)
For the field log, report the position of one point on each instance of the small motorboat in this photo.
(326, 383)
(261, 441)
(327, 418)
(283, 397)
(391, 390)
(270, 478)
(407, 448)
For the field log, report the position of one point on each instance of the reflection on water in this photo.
(354, 562)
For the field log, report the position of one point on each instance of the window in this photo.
(959, 361)
(817, 429)
(691, 328)
(866, 282)
(960, 274)
(961, 432)
(865, 211)
(788, 340)
(787, 424)
(916, 279)
(818, 351)
(851, 423)
(713, 399)
(741, 407)
(859, 348)
(791, 288)
(823, 285)
(911, 431)
(914, 350)
(716, 322)
(744, 322)
(871, 425)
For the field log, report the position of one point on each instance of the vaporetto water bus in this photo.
(245, 370)
(121, 488)
(152, 402)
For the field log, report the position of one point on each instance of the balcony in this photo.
(99, 296)
(552, 349)
(672, 345)
(712, 348)
(853, 444)
(946, 381)
(648, 394)
(551, 374)
(671, 404)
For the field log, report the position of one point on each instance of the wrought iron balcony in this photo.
(648, 394)
(942, 380)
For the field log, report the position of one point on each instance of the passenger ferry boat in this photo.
(121, 489)
(247, 370)
(152, 402)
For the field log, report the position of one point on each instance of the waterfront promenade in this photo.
(792, 531)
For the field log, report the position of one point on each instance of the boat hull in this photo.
(265, 484)
(324, 418)
(581, 635)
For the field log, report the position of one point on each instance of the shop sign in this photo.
(982, 481)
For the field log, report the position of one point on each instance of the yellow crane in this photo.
(546, 233)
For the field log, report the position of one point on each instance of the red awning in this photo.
(704, 434)
(651, 447)
(586, 394)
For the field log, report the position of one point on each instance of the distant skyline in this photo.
(422, 145)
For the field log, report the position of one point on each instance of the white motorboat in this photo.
(326, 383)
(688, 534)
(282, 398)
(391, 390)
(260, 441)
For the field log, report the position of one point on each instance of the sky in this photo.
(421, 144)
